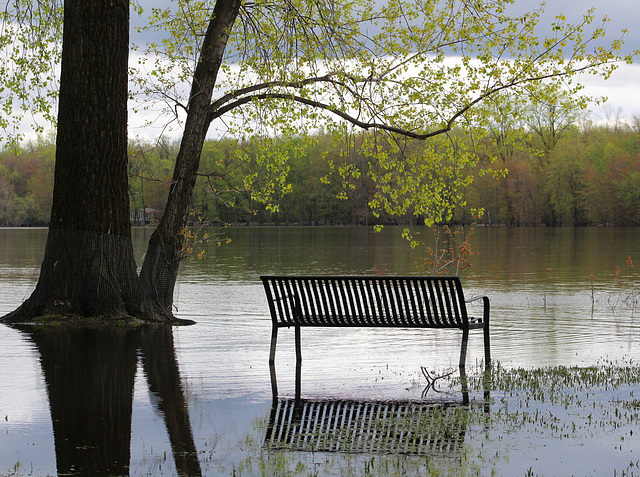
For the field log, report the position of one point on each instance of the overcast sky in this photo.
(623, 88)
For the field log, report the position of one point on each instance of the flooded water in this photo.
(198, 400)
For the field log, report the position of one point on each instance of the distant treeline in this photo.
(587, 175)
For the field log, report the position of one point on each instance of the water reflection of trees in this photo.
(90, 376)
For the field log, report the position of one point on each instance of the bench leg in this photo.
(274, 382)
(487, 341)
(298, 380)
(274, 339)
(272, 361)
(298, 364)
(465, 385)
(487, 346)
(298, 347)
(463, 349)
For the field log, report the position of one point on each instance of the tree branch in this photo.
(328, 78)
(332, 109)
(243, 96)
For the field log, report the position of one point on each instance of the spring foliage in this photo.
(413, 69)
(438, 71)
(30, 42)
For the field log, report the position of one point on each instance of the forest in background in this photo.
(571, 174)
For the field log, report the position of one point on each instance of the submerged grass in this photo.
(519, 422)
(539, 421)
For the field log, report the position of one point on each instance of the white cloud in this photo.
(622, 89)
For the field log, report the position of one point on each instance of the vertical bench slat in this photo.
(271, 299)
(345, 301)
(408, 308)
(463, 319)
(341, 304)
(405, 315)
(296, 302)
(445, 303)
(450, 304)
(338, 314)
(326, 305)
(409, 303)
(449, 313)
(336, 311)
(365, 296)
(379, 306)
(283, 302)
(456, 303)
(353, 313)
(377, 303)
(276, 310)
(433, 303)
(359, 304)
(317, 301)
(308, 308)
(422, 304)
(372, 299)
(396, 302)
(312, 296)
(331, 311)
(387, 300)
(460, 307)
(419, 302)
(406, 303)
(385, 288)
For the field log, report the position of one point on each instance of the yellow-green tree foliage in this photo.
(429, 70)
(434, 70)
(30, 47)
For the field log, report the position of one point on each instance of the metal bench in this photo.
(376, 301)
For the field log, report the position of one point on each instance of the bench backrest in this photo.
(399, 302)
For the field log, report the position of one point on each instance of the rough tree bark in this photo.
(89, 269)
(165, 250)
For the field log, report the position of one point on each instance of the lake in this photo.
(559, 297)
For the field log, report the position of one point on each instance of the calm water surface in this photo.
(555, 297)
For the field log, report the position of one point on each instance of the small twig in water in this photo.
(431, 380)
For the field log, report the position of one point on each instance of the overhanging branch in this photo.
(243, 96)
(332, 109)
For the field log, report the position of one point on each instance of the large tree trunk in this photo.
(89, 268)
(162, 260)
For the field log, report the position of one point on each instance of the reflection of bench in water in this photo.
(376, 427)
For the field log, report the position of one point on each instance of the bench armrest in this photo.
(485, 303)
(476, 298)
